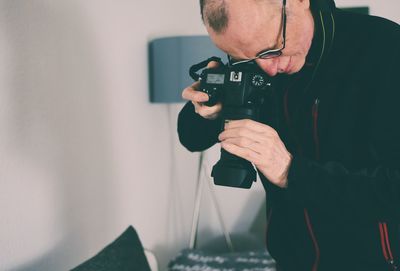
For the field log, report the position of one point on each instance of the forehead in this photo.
(252, 26)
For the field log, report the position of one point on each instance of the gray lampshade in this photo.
(169, 62)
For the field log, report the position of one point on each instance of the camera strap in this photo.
(195, 68)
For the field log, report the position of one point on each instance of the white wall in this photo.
(83, 154)
(385, 8)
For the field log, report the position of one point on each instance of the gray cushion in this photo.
(124, 254)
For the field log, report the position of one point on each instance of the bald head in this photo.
(215, 13)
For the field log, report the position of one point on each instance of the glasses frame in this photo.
(268, 54)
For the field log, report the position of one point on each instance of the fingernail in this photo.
(226, 122)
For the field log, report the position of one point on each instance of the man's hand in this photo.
(192, 94)
(261, 145)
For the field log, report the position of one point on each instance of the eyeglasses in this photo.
(267, 54)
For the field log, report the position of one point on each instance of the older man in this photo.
(330, 159)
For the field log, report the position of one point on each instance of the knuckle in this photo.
(210, 110)
(198, 96)
(184, 94)
(242, 133)
(212, 64)
(274, 133)
(187, 93)
(203, 112)
(247, 122)
(243, 141)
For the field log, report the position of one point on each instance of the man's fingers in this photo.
(191, 94)
(244, 153)
(209, 112)
(197, 98)
(212, 64)
(246, 143)
(249, 124)
(242, 133)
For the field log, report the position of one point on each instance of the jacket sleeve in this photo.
(195, 132)
(370, 193)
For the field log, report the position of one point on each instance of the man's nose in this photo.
(269, 66)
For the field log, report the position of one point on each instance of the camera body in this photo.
(241, 90)
(235, 86)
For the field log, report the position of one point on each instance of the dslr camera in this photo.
(242, 90)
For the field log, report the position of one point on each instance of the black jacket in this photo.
(341, 210)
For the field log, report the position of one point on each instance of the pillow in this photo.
(200, 260)
(124, 254)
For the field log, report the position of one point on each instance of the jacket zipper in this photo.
(386, 248)
(317, 155)
(314, 240)
(316, 140)
(315, 127)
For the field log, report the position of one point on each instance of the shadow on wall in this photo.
(250, 239)
(247, 234)
(57, 123)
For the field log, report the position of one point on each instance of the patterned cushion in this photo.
(124, 254)
(198, 260)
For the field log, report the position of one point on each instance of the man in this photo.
(330, 158)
